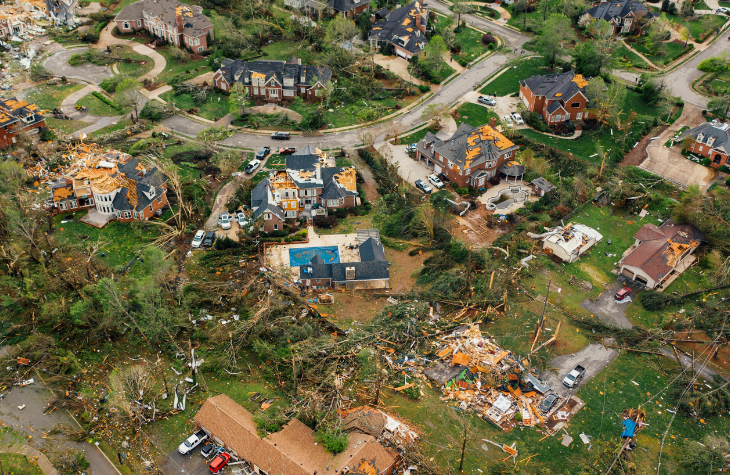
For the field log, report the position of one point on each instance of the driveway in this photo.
(607, 309)
(191, 464)
(410, 169)
(594, 358)
(58, 64)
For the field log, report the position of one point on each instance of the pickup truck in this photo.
(192, 442)
(572, 378)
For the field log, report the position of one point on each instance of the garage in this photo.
(400, 53)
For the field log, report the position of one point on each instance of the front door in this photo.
(579, 116)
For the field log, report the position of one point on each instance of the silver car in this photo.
(517, 118)
(225, 220)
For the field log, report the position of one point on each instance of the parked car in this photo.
(548, 403)
(192, 442)
(281, 135)
(209, 239)
(572, 378)
(435, 181)
(508, 122)
(724, 10)
(423, 186)
(239, 216)
(261, 154)
(224, 220)
(623, 293)
(486, 101)
(411, 148)
(207, 450)
(287, 150)
(198, 239)
(219, 462)
(517, 118)
(252, 166)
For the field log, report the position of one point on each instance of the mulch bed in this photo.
(637, 155)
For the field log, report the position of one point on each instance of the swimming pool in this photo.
(301, 256)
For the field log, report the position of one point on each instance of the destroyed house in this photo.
(404, 28)
(373, 421)
(371, 272)
(711, 140)
(556, 97)
(62, 12)
(273, 81)
(626, 16)
(470, 158)
(19, 16)
(291, 451)
(174, 22)
(16, 117)
(660, 254)
(309, 185)
(116, 185)
(568, 243)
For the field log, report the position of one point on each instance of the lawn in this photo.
(630, 59)
(471, 44)
(415, 136)
(701, 5)
(16, 464)
(355, 113)
(175, 68)
(215, 108)
(284, 50)
(508, 82)
(123, 240)
(475, 114)
(134, 69)
(534, 18)
(697, 28)
(97, 107)
(276, 162)
(668, 52)
(49, 97)
(443, 72)
(111, 128)
(65, 126)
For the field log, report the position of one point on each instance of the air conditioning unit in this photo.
(350, 273)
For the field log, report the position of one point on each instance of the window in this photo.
(575, 105)
(273, 92)
(127, 215)
(200, 49)
(125, 26)
(139, 22)
(276, 227)
(197, 42)
(333, 203)
(267, 216)
(150, 207)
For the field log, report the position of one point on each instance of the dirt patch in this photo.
(473, 228)
(638, 154)
(370, 186)
(595, 275)
(721, 363)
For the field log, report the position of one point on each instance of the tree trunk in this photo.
(463, 451)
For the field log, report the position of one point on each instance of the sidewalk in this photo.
(32, 455)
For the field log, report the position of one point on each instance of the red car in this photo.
(623, 293)
(220, 461)
(287, 151)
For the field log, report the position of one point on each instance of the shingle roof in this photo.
(371, 250)
(236, 70)
(713, 134)
(556, 86)
(470, 146)
(346, 5)
(399, 27)
(618, 9)
(12, 110)
(194, 22)
(543, 184)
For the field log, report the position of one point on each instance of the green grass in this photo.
(471, 43)
(215, 108)
(346, 115)
(134, 69)
(696, 27)
(534, 18)
(123, 240)
(65, 126)
(112, 128)
(175, 68)
(50, 97)
(509, 82)
(283, 50)
(476, 114)
(186, 146)
(444, 71)
(16, 464)
(97, 107)
(630, 59)
(258, 177)
(667, 53)
(415, 136)
(701, 5)
(276, 162)
(489, 12)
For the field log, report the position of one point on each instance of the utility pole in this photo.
(463, 449)
(468, 270)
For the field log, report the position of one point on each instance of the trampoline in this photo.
(301, 256)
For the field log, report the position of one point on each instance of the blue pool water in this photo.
(301, 256)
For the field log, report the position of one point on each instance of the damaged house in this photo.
(568, 243)
(16, 117)
(660, 254)
(404, 28)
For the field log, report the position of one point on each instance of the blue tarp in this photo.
(630, 428)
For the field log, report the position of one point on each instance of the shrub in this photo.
(214, 133)
(47, 135)
(488, 39)
(715, 64)
(724, 169)
(491, 46)
(424, 88)
(706, 162)
(333, 441)
(106, 100)
(341, 213)
(155, 111)
(325, 222)
(727, 182)
(535, 120)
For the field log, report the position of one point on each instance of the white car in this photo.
(508, 122)
(252, 166)
(436, 181)
(198, 239)
(723, 10)
(517, 118)
(225, 220)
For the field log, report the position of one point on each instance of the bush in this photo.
(325, 222)
(47, 135)
(724, 169)
(491, 46)
(333, 441)
(535, 120)
(424, 88)
(106, 100)
(341, 213)
(714, 64)
(706, 162)
(110, 84)
(488, 39)
(155, 111)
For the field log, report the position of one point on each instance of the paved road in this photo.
(511, 37)
(58, 63)
(607, 309)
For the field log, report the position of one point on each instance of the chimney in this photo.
(179, 21)
(493, 122)
(418, 17)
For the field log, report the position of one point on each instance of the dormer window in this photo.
(701, 137)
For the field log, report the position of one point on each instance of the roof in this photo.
(662, 248)
(14, 110)
(371, 250)
(371, 270)
(543, 184)
(470, 146)
(231, 423)
(714, 134)
(167, 11)
(559, 87)
(618, 9)
(236, 70)
(347, 5)
(399, 27)
(512, 168)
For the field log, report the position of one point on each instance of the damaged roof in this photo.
(470, 146)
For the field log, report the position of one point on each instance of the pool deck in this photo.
(277, 257)
(495, 190)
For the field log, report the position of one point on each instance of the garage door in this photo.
(400, 53)
(436, 168)
(628, 273)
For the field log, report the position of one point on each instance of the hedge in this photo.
(106, 100)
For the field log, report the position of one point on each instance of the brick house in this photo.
(113, 183)
(404, 28)
(626, 16)
(16, 117)
(660, 254)
(315, 8)
(542, 187)
(273, 81)
(309, 185)
(471, 157)
(556, 97)
(349, 8)
(179, 24)
(711, 140)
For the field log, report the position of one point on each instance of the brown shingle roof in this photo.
(649, 232)
(230, 423)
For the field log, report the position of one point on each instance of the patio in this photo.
(96, 219)
(506, 198)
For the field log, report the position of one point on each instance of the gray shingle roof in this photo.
(713, 134)
(394, 29)
(455, 148)
(194, 22)
(543, 184)
(346, 5)
(235, 70)
(371, 250)
(372, 270)
(618, 9)
(553, 86)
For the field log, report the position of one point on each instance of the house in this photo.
(711, 140)
(470, 158)
(62, 12)
(404, 28)
(291, 451)
(371, 272)
(111, 183)
(626, 16)
(346, 8)
(373, 421)
(568, 243)
(273, 81)
(16, 117)
(349, 8)
(556, 97)
(542, 187)
(311, 184)
(21, 15)
(660, 254)
(176, 23)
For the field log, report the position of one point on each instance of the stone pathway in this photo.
(32, 454)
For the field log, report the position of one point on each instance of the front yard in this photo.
(49, 97)
(213, 109)
(508, 82)
(669, 51)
